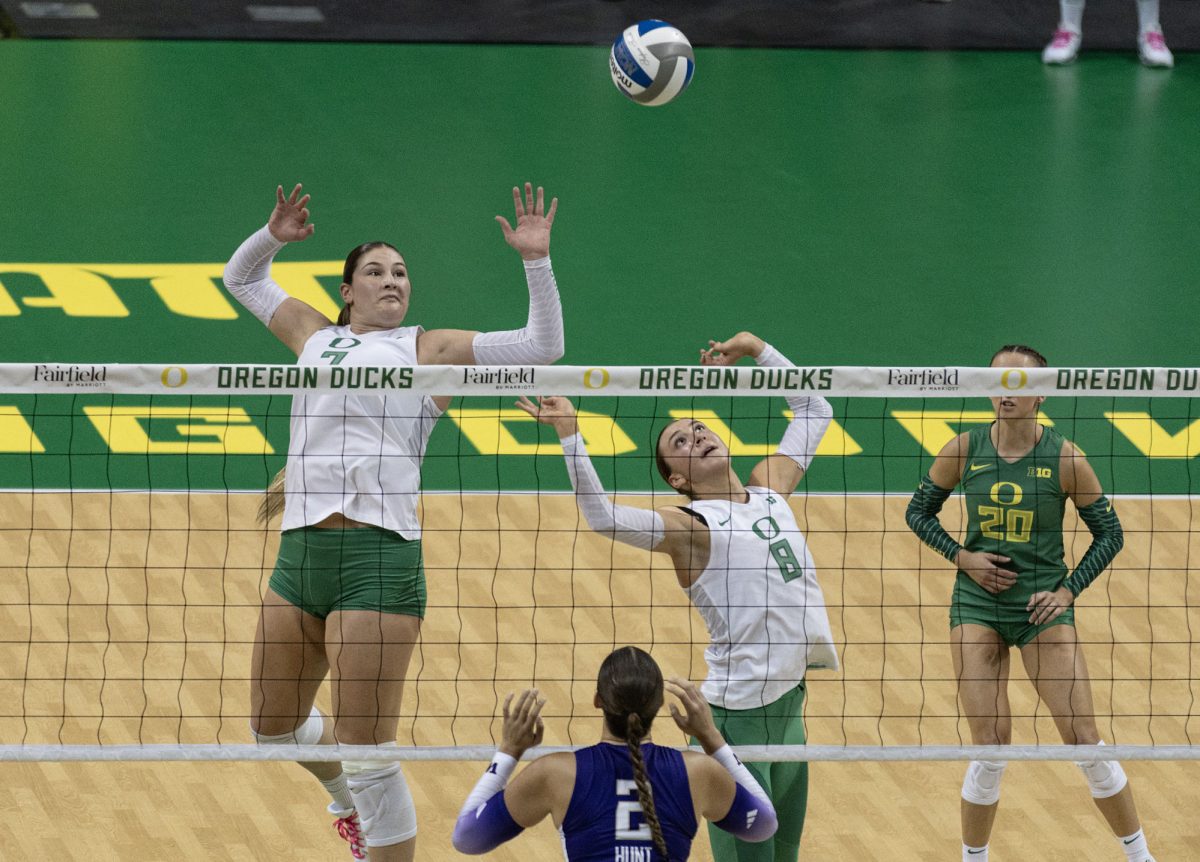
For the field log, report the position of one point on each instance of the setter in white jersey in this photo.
(347, 595)
(745, 565)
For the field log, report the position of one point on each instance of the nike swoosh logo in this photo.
(974, 852)
(975, 467)
(1109, 509)
(726, 521)
(1130, 841)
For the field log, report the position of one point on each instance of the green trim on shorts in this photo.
(361, 569)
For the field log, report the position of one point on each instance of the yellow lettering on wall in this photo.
(75, 290)
(16, 435)
(211, 430)
(933, 429)
(488, 432)
(835, 442)
(1152, 440)
(186, 289)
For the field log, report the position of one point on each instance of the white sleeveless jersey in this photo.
(761, 602)
(359, 455)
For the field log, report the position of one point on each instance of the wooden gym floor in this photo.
(140, 631)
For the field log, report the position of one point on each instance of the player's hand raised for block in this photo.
(696, 718)
(531, 237)
(523, 727)
(289, 220)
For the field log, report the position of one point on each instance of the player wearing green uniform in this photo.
(1013, 589)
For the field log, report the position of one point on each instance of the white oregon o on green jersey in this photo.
(761, 602)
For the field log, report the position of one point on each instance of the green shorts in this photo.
(778, 723)
(361, 569)
(1009, 619)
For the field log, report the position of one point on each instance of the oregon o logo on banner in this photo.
(174, 376)
(1022, 379)
(591, 375)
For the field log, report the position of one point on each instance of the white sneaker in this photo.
(1063, 48)
(1153, 49)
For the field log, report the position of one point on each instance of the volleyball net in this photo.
(134, 565)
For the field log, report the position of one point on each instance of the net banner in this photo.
(869, 382)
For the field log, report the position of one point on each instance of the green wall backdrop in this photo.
(854, 208)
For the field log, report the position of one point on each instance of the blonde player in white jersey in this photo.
(348, 591)
(745, 565)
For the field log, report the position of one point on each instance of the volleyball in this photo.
(651, 62)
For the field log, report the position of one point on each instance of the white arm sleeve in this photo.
(725, 756)
(811, 415)
(494, 779)
(541, 340)
(642, 528)
(248, 275)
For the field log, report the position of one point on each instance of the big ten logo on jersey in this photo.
(781, 549)
(1003, 521)
(1040, 472)
(338, 348)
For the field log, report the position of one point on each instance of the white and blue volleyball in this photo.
(651, 62)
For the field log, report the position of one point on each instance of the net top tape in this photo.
(575, 380)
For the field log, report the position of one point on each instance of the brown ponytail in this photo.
(645, 792)
(272, 501)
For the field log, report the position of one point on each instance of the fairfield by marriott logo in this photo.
(924, 378)
(500, 378)
(81, 376)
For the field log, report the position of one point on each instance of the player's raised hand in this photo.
(289, 220)
(552, 410)
(984, 569)
(531, 237)
(696, 717)
(523, 727)
(729, 352)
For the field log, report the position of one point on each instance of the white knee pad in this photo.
(981, 785)
(1105, 778)
(383, 801)
(309, 733)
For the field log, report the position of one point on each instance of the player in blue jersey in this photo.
(625, 799)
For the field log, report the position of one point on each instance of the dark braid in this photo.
(645, 792)
(630, 690)
(1022, 350)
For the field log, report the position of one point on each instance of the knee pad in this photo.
(1105, 778)
(383, 801)
(981, 785)
(308, 733)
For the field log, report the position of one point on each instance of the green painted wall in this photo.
(851, 207)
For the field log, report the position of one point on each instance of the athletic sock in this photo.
(975, 854)
(1072, 14)
(339, 791)
(1147, 15)
(1135, 847)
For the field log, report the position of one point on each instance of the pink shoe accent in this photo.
(349, 828)
(1155, 40)
(1062, 38)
